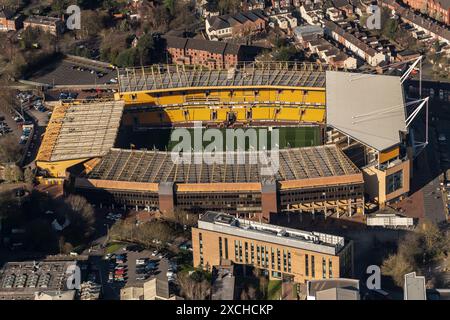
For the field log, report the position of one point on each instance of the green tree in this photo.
(390, 28)
(127, 58)
(170, 6)
(145, 48)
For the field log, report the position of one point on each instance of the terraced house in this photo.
(236, 25)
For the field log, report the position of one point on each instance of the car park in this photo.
(141, 277)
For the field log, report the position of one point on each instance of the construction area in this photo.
(363, 153)
(317, 176)
(251, 75)
(80, 131)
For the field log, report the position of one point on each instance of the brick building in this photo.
(214, 54)
(51, 25)
(438, 9)
(9, 21)
(284, 253)
(236, 25)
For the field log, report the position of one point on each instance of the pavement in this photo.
(111, 290)
(40, 121)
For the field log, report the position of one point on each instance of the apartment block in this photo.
(284, 253)
(51, 25)
(214, 54)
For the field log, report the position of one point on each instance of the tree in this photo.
(145, 48)
(92, 22)
(396, 266)
(182, 217)
(8, 205)
(13, 173)
(170, 6)
(418, 251)
(229, 6)
(390, 28)
(195, 286)
(81, 216)
(29, 175)
(127, 58)
(9, 150)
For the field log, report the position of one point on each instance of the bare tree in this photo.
(81, 215)
(194, 287)
(9, 150)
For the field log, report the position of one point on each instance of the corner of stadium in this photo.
(355, 151)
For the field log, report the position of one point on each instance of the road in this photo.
(40, 120)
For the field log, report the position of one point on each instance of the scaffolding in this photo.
(77, 131)
(236, 167)
(160, 77)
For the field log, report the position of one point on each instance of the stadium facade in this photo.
(364, 153)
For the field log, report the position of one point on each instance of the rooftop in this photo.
(414, 287)
(157, 166)
(43, 20)
(368, 108)
(228, 20)
(81, 130)
(313, 241)
(20, 280)
(173, 77)
(219, 47)
(333, 289)
(351, 38)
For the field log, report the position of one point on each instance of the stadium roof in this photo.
(157, 166)
(172, 77)
(79, 131)
(368, 108)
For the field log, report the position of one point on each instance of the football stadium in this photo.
(344, 140)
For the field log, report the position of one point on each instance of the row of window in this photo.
(311, 269)
(258, 255)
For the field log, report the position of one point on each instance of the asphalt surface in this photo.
(111, 290)
(62, 73)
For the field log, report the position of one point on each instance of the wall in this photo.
(211, 255)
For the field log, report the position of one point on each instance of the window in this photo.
(330, 268)
(226, 248)
(306, 265)
(313, 267)
(252, 256)
(289, 262)
(273, 258)
(324, 268)
(220, 247)
(394, 182)
(278, 260)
